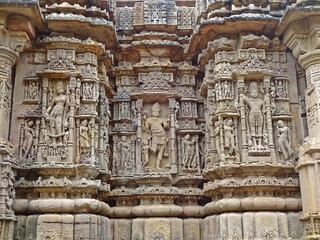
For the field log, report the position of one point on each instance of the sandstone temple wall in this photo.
(159, 119)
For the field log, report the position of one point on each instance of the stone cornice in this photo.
(27, 8)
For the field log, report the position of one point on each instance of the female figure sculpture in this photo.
(84, 137)
(28, 140)
(123, 153)
(283, 139)
(55, 115)
(228, 136)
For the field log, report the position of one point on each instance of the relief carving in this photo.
(178, 156)
(84, 138)
(189, 160)
(159, 140)
(123, 151)
(31, 91)
(56, 117)
(28, 140)
(255, 117)
(283, 139)
(229, 143)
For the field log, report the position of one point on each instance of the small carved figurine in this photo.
(84, 137)
(229, 136)
(188, 151)
(283, 139)
(28, 140)
(123, 152)
(217, 137)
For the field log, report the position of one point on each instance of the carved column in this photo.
(7, 60)
(303, 40)
(242, 119)
(10, 44)
(266, 81)
(138, 163)
(172, 141)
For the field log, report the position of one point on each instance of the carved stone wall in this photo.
(159, 119)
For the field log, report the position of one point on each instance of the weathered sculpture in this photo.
(217, 138)
(29, 134)
(283, 139)
(255, 115)
(84, 137)
(157, 127)
(56, 116)
(123, 153)
(189, 154)
(229, 137)
(159, 119)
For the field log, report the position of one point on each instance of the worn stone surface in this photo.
(159, 119)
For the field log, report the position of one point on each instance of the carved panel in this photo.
(124, 18)
(155, 80)
(155, 12)
(61, 59)
(186, 18)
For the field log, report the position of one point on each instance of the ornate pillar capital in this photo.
(301, 33)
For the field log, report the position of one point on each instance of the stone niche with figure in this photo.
(64, 115)
(155, 138)
(250, 115)
(158, 119)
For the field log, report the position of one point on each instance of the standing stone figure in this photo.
(146, 136)
(87, 91)
(226, 89)
(255, 116)
(55, 115)
(281, 90)
(28, 140)
(216, 134)
(229, 137)
(188, 151)
(159, 139)
(94, 132)
(123, 153)
(145, 151)
(283, 139)
(84, 137)
(33, 90)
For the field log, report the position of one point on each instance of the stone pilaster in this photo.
(302, 37)
(11, 43)
(7, 60)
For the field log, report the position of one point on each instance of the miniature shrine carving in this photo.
(159, 119)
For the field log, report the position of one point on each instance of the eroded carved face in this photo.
(123, 138)
(60, 90)
(229, 122)
(155, 113)
(254, 93)
(85, 122)
(30, 123)
(280, 123)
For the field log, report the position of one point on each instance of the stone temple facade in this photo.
(159, 119)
